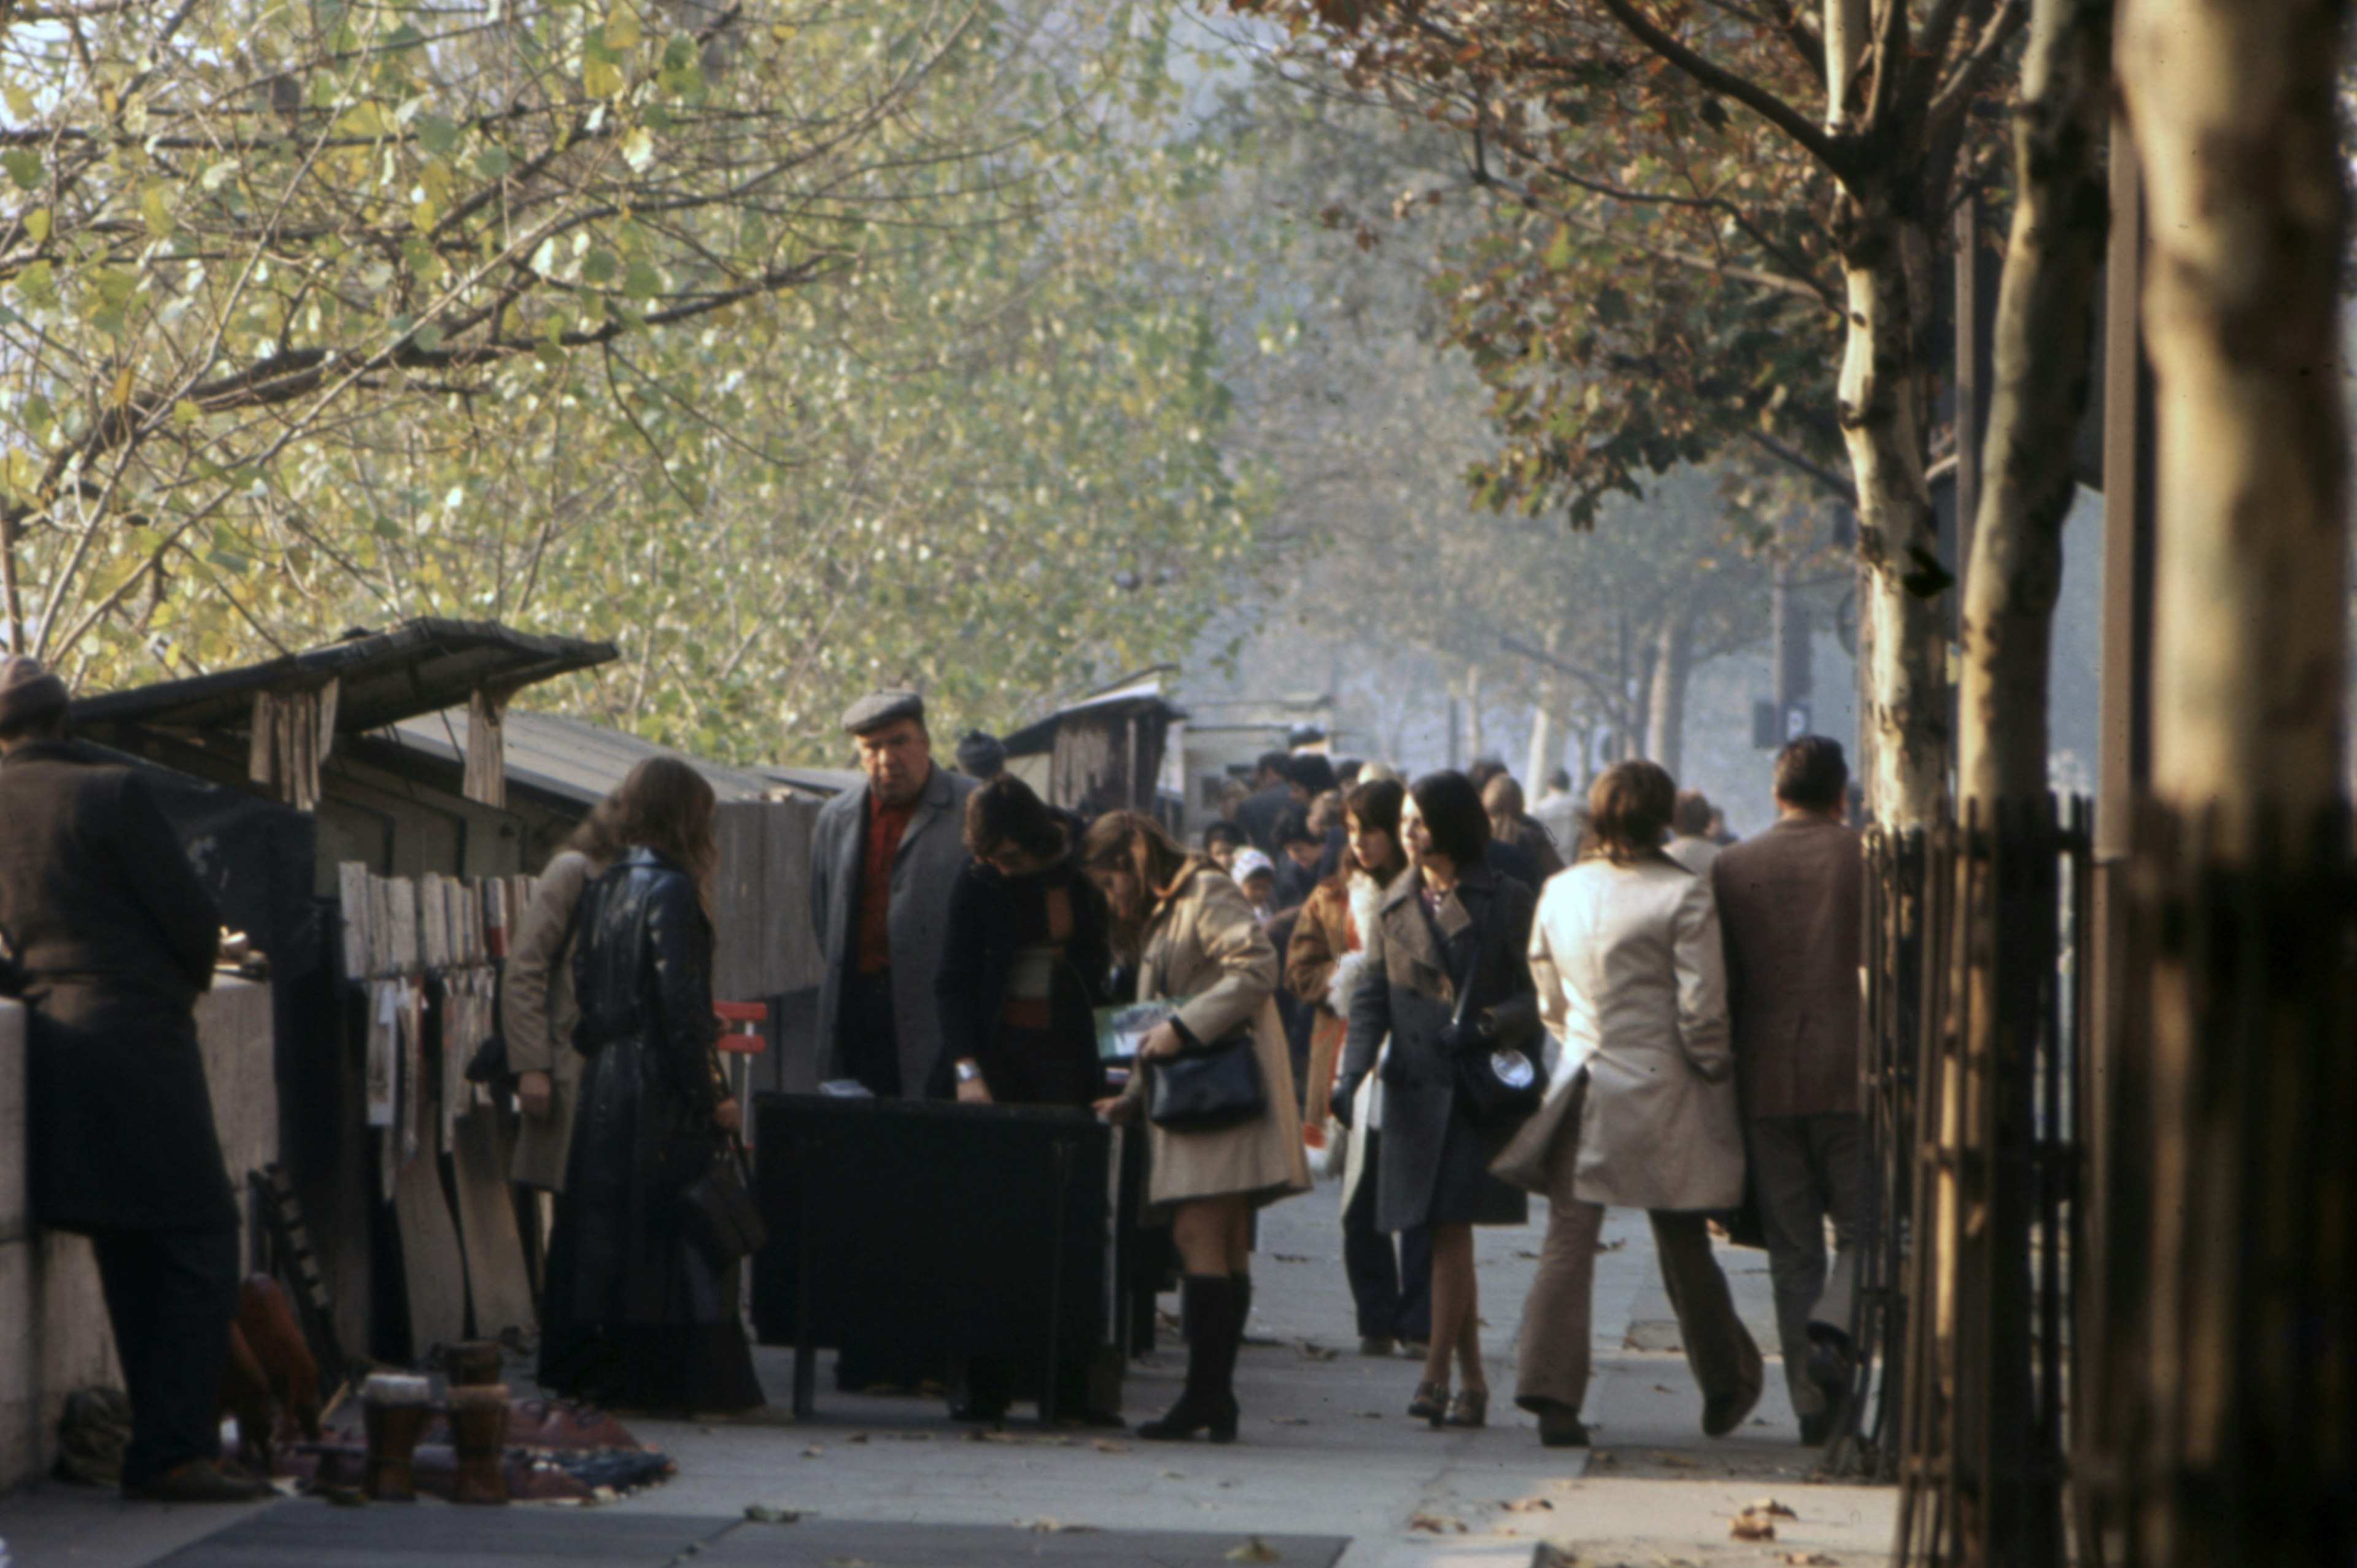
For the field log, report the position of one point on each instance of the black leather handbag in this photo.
(1498, 1086)
(717, 1211)
(1202, 1091)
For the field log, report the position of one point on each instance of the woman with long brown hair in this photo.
(1447, 976)
(1183, 933)
(1626, 951)
(654, 1317)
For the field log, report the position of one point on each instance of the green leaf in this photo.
(186, 412)
(428, 336)
(1558, 250)
(641, 281)
(24, 167)
(492, 163)
(598, 267)
(438, 134)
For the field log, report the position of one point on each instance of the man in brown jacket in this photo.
(1789, 909)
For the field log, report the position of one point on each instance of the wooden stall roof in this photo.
(419, 667)
(1143, 697)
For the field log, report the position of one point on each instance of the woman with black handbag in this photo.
(635, 1262)
(1625, 949)
(1447, 979)
(1214, 1081)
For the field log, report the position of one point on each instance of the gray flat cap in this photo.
(883, 708)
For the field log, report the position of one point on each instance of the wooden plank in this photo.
(497, 1286)
(738, 897)
(793, 958)
(433, 1268)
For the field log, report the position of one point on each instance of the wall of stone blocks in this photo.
(53, 1331)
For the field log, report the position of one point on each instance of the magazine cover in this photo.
(1121, 1030)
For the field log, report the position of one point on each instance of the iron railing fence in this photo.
(1975, 1019)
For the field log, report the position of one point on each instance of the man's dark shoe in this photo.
(1722, 1413)
(1560, 1427)
(1829, 1363)
(1817, 1428)
(197, 1482)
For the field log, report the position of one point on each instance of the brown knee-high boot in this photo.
(1214, 1328)
(478, 1429)
(396, 1410)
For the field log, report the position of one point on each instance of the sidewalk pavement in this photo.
(1329, 1469)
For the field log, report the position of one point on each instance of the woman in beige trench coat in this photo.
(1186, 931)
(1626, 953)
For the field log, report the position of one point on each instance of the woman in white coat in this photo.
(1625, 949)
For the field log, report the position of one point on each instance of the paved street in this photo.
(1329, 1469)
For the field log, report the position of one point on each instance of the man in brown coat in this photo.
(1789, 909)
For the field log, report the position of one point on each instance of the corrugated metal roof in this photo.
(571, 758)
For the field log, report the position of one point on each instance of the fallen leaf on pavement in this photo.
(1525, 1252)
(1256, 1549)
(1435, 1523)
(1528, 1505)
(1371, 1415)
(1757, 1519)
(1317, 1352)
(814, 1451)
(1612, 1246)
(1810, 1560)
(764, 1513)
(856, 1437)
(1291, 1256)
(1107, 1445)
(1043, 1525)
(916, 1437)
(1674, 1461)
(1289, 1421)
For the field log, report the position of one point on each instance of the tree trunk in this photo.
(2044, 318)
(2232, 109)
(1473, 714)
(1902, 718)
(1665, 715)
(1973, 1403)
(2231, 1360)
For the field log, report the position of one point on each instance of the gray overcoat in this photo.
(1434, 1163)
(932, 851)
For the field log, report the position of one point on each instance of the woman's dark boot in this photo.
(1215, 1326)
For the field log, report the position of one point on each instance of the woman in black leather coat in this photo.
(657, 1324)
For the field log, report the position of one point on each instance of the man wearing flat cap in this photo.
(110, 939)
(884, 857)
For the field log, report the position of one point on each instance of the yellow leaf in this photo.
(186, 412)
(154, 208)
(622, 27)
(600, 79)
(123, 385)
(36, 224)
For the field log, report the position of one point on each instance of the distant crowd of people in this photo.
(1649, 1017)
